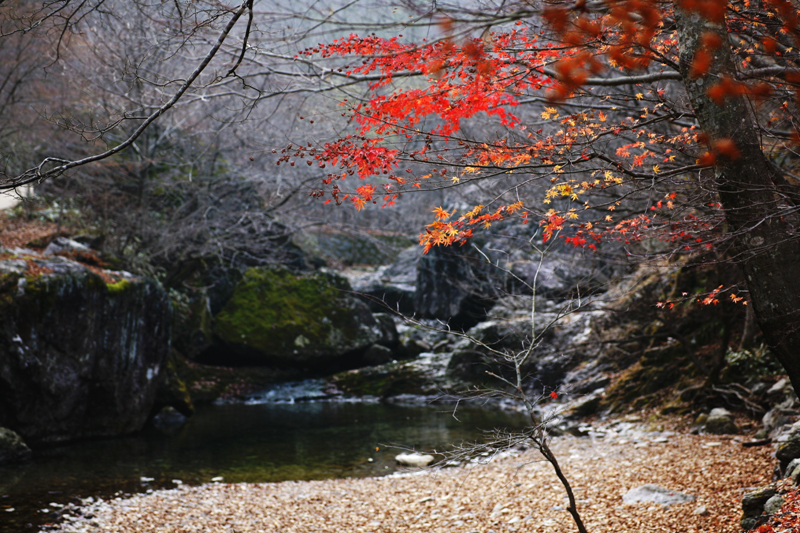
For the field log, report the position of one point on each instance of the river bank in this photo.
(516, 492)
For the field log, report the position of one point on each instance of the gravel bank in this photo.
(515, 493)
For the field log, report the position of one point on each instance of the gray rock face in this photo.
(793, 471)
(790, 449)
(80, 357)
(560, 276)
(12, 448)
(450, 287)
(753, 505)
(656, 494)
(393, 285)
(774, 504)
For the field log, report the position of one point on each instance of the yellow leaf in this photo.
(656, 169)
(608, 218)
(639, 96)
(455, 179)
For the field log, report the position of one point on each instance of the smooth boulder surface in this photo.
(81, 355)
(279, 318)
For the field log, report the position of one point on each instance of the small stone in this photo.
(774, 504)
(720, 422)
(700, 510)
(414, 459)
(793, 470)
(753, 502)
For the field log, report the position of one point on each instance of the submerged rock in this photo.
(79, 356)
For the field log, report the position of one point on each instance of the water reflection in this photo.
(242, 443)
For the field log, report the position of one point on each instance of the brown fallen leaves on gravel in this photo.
(515, 493)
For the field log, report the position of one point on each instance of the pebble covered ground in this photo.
(517, 492)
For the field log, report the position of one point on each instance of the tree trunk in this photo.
(765, 243)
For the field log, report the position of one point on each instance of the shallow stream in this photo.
(257, 441)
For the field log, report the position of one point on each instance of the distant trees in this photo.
(160, 119)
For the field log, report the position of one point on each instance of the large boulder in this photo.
(279, 318)
(452, 287)
(81, 353)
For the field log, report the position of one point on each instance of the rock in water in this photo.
(654, 493)
(12, 448)
(79, 356)
(417, 460)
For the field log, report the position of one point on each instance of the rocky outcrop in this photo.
(81, 350)
(282, 319)
(425, 376)
(391, 286)
(451, 287)
(559, 276)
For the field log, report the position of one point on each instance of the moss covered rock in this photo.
(280, 318)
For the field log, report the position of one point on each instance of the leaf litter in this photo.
(517, 492)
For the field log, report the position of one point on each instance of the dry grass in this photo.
(516, 493)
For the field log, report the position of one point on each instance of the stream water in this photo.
(258, 441)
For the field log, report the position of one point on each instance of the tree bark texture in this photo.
(765, 241)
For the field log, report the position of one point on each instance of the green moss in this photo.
(118, 287)
(276, 312)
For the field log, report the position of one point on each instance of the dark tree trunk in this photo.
(765, 242)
